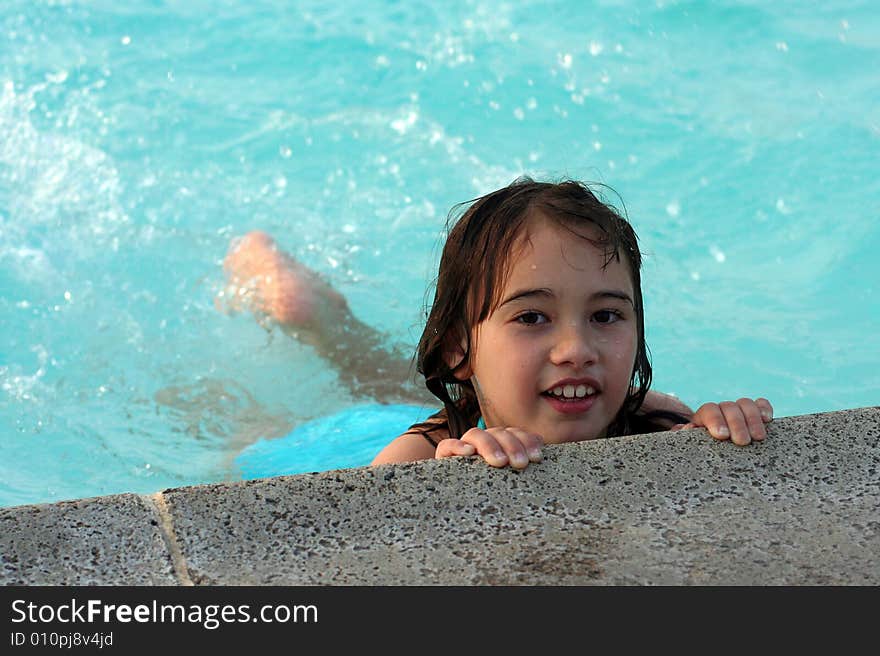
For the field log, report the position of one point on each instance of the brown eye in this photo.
(531, 318)
(606, 316)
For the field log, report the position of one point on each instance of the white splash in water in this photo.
(403, 124)
(59, 189)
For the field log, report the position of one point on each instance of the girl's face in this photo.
(555, 357)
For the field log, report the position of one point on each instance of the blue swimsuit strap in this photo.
(481, 424)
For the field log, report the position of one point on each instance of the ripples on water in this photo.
(138, 140)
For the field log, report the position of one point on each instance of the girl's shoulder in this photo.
(419, 442)
(434, 429)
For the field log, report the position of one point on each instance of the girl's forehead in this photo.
(548, 248)
(568, 260)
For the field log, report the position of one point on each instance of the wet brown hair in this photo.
(473, 266)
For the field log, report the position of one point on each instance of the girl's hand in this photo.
(740, 422)
(497, 446)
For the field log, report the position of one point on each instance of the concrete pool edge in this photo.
(669, 508)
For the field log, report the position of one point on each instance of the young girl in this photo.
(536, 334)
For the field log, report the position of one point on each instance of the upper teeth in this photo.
(572, 391)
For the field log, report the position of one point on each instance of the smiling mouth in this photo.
(570, 393)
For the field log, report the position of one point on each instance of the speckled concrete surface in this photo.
(670, 508)
(113, 540)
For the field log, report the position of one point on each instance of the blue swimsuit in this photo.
(349, 438)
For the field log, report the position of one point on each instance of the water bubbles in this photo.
(285, 152)
(717, 253)
(57, 78)
(782, 46)
(781, 207)
(402, 125)
(564, 60)
(125, 40)
(596, 48)
(673, 208)
(519, 114)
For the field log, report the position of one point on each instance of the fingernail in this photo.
(723, 431)
(500, 455)
(766, 415)
(535, 455)
(519, 460)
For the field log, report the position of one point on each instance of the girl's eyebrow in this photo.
(543, 291)
(613, 293)
(526, 293)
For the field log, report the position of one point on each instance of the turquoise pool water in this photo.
(137, 138)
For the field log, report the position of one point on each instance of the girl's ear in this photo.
(453, 356)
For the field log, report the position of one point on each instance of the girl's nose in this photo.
(574, 346)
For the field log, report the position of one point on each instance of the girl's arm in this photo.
(409, 447)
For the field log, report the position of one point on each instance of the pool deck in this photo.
(803, 508)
